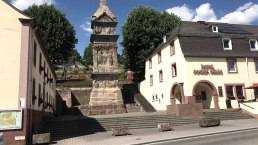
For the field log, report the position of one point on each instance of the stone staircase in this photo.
(144, 103)
(72, 126)
(227, 114)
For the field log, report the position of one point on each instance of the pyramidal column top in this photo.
(103, 2)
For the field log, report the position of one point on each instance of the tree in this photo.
(75, 57)
(142, 33)
(87, 57)
(120, 59)
(57, 32)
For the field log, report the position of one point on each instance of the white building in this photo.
(201, 62)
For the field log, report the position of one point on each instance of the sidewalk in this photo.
(140, 136)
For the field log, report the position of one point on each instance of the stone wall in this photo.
(80, 96)
(133, 107)
(65, 94)
(185, 110)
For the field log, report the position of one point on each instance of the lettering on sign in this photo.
(208, 70)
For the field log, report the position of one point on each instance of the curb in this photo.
(195, 136)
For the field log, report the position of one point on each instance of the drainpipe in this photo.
(248, 76)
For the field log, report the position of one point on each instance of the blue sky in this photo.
(79, 12)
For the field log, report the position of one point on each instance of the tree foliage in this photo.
(87, 57)
(57, 32)
(142, 33)
(74, 57)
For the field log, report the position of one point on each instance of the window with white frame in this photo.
(172, 48)
(174, 70)
(151, 80)
(227, 44)
(159, 57)
(232, 68)
(253, 44)
(160, 76)
(215, 29)
(150, 63)
(239, 91)
(235, 91)
(230, 91)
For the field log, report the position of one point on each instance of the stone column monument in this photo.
(106, 96)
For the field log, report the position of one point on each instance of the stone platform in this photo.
(106, 109)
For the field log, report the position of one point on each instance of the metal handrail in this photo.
(248, 106)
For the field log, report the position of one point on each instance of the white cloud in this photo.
(183, 12)
(24, 4)
(204, 13)
(87, 27)
(245, 14)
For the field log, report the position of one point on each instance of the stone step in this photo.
(76, 126)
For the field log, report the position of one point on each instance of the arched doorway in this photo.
(206, 93)
(175, 94)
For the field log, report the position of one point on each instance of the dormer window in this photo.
(253, 44)
(215, 29)
(227, 44)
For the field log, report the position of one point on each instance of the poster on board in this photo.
(10, 119)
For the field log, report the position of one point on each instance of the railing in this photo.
(248, 106)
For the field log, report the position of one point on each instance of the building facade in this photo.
(28, 80)
(201, 62)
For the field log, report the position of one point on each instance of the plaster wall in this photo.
(159, 93)
(155, 92)
(10, 40)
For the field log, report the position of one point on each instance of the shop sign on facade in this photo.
(208, 70)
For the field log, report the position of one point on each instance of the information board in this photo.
(10, 119)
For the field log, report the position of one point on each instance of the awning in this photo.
(254, 86)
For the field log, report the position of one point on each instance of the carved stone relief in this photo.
(104, 30)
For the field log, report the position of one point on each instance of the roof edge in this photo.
(16, 9)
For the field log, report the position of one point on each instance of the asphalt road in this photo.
(249, 137)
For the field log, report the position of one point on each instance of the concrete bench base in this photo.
(209, 122)
(120, 131)
(165, 127)
(41, 138)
